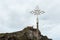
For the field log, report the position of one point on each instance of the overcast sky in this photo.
(15, 15)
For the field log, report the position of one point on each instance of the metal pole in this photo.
(37, 27)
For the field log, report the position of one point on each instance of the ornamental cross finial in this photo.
(37, 11)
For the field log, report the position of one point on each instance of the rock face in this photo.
(28, 33)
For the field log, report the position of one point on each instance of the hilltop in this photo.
(28, 33)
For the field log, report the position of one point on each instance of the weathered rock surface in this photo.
(28, 33)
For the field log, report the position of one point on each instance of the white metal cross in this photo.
(37, 12)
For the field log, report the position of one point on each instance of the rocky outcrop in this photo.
(28, 33)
